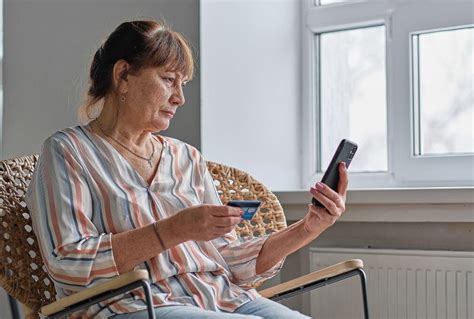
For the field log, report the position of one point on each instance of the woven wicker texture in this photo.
(234, 184)
(22, 273)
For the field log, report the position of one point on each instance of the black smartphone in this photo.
(249, 207)
(344, 153)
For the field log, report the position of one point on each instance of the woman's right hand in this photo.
(206, 222)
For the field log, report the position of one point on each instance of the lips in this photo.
(170, 113)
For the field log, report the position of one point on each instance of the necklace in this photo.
(125, 147)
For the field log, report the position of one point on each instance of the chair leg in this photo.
(363, 282)
(149, 300)
(328, 281)
(109, 294)
(13, 307)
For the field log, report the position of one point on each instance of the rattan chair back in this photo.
(22, 272)
(234, 184)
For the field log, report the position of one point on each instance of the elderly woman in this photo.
(113, 196)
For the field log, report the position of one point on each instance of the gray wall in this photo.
(48, 46)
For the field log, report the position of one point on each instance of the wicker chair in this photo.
(24, 277)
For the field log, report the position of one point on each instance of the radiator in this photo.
(408, 284)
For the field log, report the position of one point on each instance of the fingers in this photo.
(224, 225)
(329, 194)
(225, 211)
(325, 201)
(343, 179)
(226, 221)
(332, 201)
(206, 222)
(222, 219)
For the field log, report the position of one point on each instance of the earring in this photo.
(122, 98)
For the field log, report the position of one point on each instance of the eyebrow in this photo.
(184, 77)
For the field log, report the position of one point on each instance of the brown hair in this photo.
(143, 43)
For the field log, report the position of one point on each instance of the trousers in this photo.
(258, 308)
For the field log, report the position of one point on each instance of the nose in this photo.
(177, 98)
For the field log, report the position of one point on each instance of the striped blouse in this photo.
(83, 190)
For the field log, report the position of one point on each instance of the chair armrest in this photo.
(114, 283)
(315, 276)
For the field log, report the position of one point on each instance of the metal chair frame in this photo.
(328, 281)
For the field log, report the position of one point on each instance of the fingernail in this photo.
(319, 185)
(344, 164)
(313, 189)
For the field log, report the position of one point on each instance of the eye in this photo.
(168, 79)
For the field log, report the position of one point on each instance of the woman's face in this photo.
(153, 96)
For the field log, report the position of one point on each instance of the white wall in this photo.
(250, 97)
(48, 47)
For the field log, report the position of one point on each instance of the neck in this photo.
(114, 124)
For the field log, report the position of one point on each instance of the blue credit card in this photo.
(249, 207)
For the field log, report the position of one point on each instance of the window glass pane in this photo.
(352, 96)
(446, 95)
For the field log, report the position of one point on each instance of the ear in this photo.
(120, 76)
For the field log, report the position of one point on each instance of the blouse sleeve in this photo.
(240, 254)
(75, 254)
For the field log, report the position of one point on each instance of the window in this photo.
(443, 85)
(397, 81)
(353, 60)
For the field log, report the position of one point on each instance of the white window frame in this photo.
(401, 18)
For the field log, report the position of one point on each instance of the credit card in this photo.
(249, 207)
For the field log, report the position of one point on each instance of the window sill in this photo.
(448, 204)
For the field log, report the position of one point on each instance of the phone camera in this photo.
(352, 152)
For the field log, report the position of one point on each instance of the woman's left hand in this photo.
(284, 242)
(319, 218)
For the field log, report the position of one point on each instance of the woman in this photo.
(112, 196)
